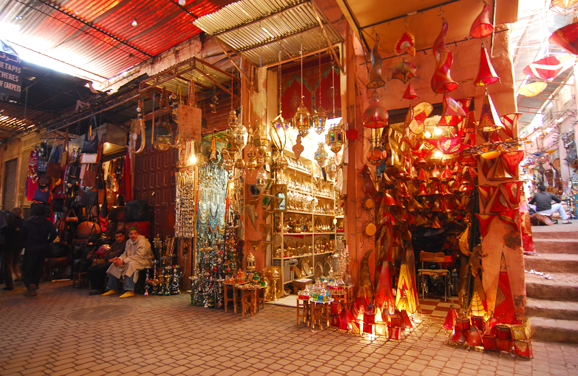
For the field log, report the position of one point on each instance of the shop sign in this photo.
(10, 74)
(190, 121)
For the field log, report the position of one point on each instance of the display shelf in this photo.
(305, 178)
(339, 217)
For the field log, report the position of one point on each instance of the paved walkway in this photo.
(64, 331)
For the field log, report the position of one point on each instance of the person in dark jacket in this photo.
(13, 246)
(542, 203)
(37, 233)
(97, 272)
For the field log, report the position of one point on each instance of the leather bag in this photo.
(89, 178)
(87, 197)
(90, 146)
(87, 228)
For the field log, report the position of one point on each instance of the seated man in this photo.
(137, 256)
(97, 272)
(543, 204)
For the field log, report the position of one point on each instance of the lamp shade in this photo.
(532, 89)
(442, 81)
(375, 116)
(566, 37)
(486, 72)
(409, 93)
(405, 44)
(549, 67)
(482, 26)
(403, 71)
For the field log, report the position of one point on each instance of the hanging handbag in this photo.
(89, 178)
(53, 169)
(42, 194)
(41, 165)
(90, 146)
(71, 216)
(87, 197)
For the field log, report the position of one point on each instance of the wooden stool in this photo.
(248, 299)
(303, 308)
(260, 296)
(226, 288)
(319, 311)
(79, 279)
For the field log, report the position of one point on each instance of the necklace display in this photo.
(185, 205)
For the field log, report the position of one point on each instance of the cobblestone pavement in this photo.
(64, 331)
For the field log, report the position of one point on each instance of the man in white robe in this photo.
(137, 256)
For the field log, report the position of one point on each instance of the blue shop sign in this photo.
(10, 74)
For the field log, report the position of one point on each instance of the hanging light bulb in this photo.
(302, 118)
(182, 2)
(134, 23)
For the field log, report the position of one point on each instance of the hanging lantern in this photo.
(233, 121)
(335, 137)
(486, 73)
(321, 155)
(261, 179)
(405, 44)
(240, 135)
(331, 169)
(375, 116)
(442, 81)
(375, 79)
(420, 112)
(490, 120)
(482, 26)
(409, 93)
(532, 89)
(319, 119)
(226, 161)
(403, 71)
(549, 67)
(302, 118)
(453, 111)
(566, 37)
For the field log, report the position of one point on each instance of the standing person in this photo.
(542, 203)
(137, 256)
(96, 273)
(13, 246)
(37, 233)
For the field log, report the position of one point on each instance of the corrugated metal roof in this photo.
(99, 36)
(259, 29)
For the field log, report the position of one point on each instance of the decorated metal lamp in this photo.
(321, 155)
(279, 122)
(335, 138)
(302, 118)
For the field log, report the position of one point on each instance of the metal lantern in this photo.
(335, 138)
(331, 169)
(375, 116)
(302, 120)
(233, 121)
(239, 135)
(319, 120)
(321, 155)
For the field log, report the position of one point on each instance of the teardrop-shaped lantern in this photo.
(482, 26)
(375, 116)
(375, 79)
(442, 81)
(486, 73)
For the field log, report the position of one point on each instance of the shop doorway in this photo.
(9, 199)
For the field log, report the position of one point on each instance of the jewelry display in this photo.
(185, 205)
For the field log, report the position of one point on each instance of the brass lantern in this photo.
(321, 155)
(302, 120)
(239, 135)
(233, 121)
(331, 169)
(335, 138)
(319, 120)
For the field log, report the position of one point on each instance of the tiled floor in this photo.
(57, 333)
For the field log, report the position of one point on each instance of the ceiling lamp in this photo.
(549, 67)
(532, 89)
(320, 115)
(403, 71)
(335, 138)
(302, 118)
(375, 79)
(482, 26)
(375, 116)
(405, 44)
(566, 37)
(490, 120)
(441, 81)
(134, 23)
(486, 73)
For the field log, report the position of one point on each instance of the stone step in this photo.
(563, 287)
(552, 263)
(551, 330)
(556, 231)
(566, 246)
(552, 309)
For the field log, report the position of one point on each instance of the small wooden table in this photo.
(319, 310)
